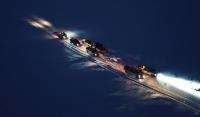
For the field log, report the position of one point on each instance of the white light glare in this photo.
(190, 87)
(71, 34)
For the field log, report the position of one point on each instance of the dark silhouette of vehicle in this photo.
(147, 70)
(197, 89)
(61, 35)
(75, 42)
(92, 51)
(88, 42)
(100, 47)
(134, 73)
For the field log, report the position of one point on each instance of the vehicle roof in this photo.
(126, 67)
(93, 50)
(99, 46)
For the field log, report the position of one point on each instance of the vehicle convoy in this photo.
(142, 77)
(140, 74)
(96, 49)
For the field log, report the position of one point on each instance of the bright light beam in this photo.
(71, 34)
(187, 86)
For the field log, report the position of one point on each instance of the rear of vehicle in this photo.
(132, 72)
(147, 71)
(61, 35)
(75, 42)
(92, 51)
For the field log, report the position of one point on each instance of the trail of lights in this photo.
(190, 87)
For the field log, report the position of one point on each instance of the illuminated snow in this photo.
(190, 87)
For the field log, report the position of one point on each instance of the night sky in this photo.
(36, 80)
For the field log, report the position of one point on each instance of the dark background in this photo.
(36, 79)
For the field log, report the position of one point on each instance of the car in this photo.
(61, 35)
(147, 70)
(75, 42)
(132, 72)
(92, 51)
(88, 42)
(99, 47)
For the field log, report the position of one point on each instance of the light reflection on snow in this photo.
(187, 86)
